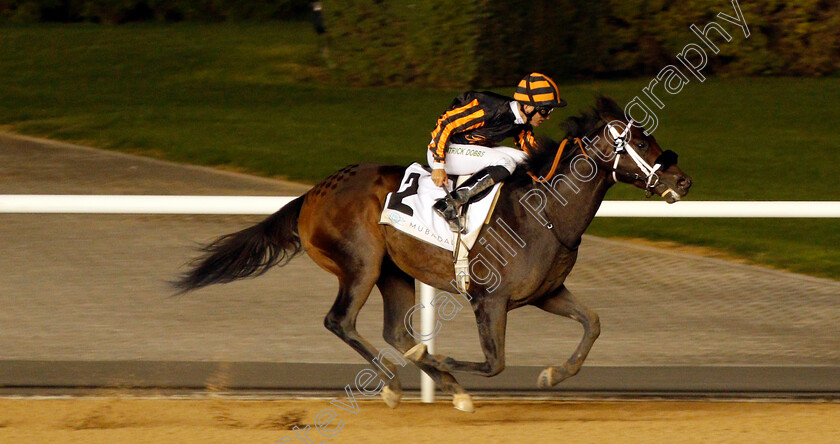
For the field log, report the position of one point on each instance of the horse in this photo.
(544, 208)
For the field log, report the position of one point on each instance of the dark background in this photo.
(459, 43)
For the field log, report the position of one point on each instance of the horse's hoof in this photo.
(391, 398)
(463, 402)
(416, 353)
(544, 380)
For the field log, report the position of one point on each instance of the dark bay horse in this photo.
(544, 217)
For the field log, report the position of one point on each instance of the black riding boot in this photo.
(449, 206)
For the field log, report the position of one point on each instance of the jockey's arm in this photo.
(457, 120)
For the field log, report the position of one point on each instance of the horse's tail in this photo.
(250, 252)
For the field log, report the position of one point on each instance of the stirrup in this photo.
(447, 210)
(459, 225)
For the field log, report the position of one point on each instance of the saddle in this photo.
(409, 209)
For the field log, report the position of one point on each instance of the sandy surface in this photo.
(121, 420)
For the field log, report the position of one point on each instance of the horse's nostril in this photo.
(684, 182)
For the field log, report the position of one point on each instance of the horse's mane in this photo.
(542, 156)
(605, 110)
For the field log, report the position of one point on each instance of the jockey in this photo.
(467, 135)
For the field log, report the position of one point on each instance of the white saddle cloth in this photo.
(410, 210)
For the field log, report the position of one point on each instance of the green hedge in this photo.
(122, 11)
(445, 43)
(452, 43)
(431, 43)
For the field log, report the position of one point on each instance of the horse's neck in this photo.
(572, 212)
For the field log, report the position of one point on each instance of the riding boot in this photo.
(449, 206)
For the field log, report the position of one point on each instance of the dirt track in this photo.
(117, 420)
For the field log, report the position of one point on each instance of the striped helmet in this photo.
(538, 90)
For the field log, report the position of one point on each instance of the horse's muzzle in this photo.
(675, 193)
(670, 196)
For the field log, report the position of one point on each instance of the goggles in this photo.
(544, 111)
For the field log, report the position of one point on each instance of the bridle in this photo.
(622, 146)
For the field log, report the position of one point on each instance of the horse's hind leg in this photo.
(563, 303)
(339, 229)
(354, 289)
(397, 290)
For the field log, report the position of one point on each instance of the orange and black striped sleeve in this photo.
(525, 140)
(456, 120)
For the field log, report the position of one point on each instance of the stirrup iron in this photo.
(448, 209)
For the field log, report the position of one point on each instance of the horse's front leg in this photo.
(491, 317)
(563, 303)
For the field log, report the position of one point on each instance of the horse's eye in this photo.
(642, 145)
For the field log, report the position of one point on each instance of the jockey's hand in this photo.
(439, 177)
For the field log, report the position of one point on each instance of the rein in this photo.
(557, 158)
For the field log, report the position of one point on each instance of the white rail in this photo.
(113, 204)
(772, 209)
(427, 327)
(137, 204)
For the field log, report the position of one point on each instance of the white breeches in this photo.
(469, 159)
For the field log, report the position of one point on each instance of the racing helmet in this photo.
(538, 90)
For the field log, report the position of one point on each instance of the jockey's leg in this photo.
(469, 159)
(479, 182)
(489, 166)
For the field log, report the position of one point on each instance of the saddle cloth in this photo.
(409, 210)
